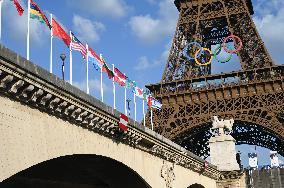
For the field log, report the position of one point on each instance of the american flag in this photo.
(78, 46)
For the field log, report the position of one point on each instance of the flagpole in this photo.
(1, 1)
(134, 96)
(113, 85)
(88, 89)
(28, 33)
(51, 38)
(144, 123)
(71, 59)
(102, 90)
(125, 98)
(152, 120)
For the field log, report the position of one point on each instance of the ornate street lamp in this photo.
(128, 106)
(62, 57)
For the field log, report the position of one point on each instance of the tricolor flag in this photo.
(94, 59)
(123, 123)
(36, 13)
(154, 103)
(78, 46)
(59, 32)
(138, 92)
(19, 7)
(119, 77)
(106, 69)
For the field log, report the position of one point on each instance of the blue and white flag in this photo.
(154, 103)
(94, 59)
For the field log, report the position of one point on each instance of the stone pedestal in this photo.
(223, 152)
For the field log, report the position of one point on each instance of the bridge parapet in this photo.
(26, 82)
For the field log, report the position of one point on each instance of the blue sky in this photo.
(133, 35)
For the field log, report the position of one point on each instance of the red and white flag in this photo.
(19, 7)
(119, 77)
(78, 46)
(139, 92)
(123, 123)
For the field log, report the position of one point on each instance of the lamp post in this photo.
(128, 106)
(62, 57)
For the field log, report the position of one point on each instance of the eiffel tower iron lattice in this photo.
(253, 97)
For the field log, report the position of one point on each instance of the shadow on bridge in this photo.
(84, 171)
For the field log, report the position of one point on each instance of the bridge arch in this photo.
(196, 186)
(77, 171)
(244, 132)
(29, 137)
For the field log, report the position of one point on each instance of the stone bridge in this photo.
(54, 133)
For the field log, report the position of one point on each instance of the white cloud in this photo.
(107, 8)
(144, 63)
(86, 29)
(17, 25)
(151, 30)
(269, 21)
(94, 84)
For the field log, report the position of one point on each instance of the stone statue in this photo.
(221, 125)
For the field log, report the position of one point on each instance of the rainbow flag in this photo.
(36, 13)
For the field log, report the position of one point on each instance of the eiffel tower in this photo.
(191, 95)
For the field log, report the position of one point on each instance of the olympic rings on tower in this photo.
(232, 51)
(186, 49)
(196, 56)
(217, 51)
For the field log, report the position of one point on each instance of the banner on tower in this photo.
(252, 160)
(274, 159)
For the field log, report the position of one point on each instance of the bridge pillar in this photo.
(222, 146)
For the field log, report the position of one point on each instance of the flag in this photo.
(78, 46)
(130, 84)
(94, 59)
(106, 69)
(206, 165)
(59, 32)
(154, 103)
(19, 7)
(145, 96)
(119, 77)
(36, 13)
(123, 123)
(139, 92)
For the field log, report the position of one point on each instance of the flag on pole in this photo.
(123, 123)
(36, 13)
(119, 77)
(138, 92)
(129, 84)
(51, 45)
(206, 165)
(59, 32)
(94, 59)
(154, 103)
(106, 69)
(19, 7)
(78, 46)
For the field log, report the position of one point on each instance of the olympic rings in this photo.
(196, 54)
(232, 51)
(217, 52)
(185, 52)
